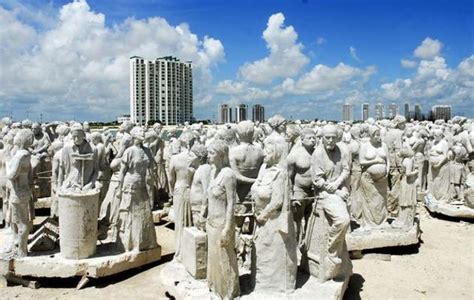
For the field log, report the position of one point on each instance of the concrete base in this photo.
(104, 263)
(383, 237)
(182, 285)
(448, 209)
(43, 203)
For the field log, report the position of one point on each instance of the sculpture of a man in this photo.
(19, 173)
(79, 163)
(330, 169)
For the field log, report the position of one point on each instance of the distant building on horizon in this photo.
(365, 111)
(123, 118)
(161, 90)
(407, 111)
(229, 114)
(441, 112)
(379, 111)
(418, 113)
(347, 112)
(258, 113)
(392, 110)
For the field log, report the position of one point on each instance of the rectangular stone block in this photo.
(194, 252)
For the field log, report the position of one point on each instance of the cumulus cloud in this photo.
(79, 63)
(353, 53)
(428, 49)
(286, 58)
(409, 64)
(434, 82)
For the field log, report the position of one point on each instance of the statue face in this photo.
(77, 137)
(269, 153)
(375, 138)
(212, 156)
(329, 140)
(36, 130)
(309, 140)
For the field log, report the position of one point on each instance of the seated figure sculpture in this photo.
(330, 169)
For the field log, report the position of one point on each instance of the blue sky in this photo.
(315, 55)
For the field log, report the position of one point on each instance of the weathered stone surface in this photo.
(382, 237)
(104, 264)
(43, 203)
(195, 252)
(182, 285)
(451, 210)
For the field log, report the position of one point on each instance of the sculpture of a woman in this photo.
(275, 261)
(373, 186)
(222, 269)
(135, 221)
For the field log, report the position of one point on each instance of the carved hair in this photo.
(24, 138)
(245, 130)
(221, 149)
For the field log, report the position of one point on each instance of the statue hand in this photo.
(332, 186)
(260, 219)
(343, 194)
(89, 186)
(225, 237)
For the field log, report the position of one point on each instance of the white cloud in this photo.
(323, 78)
(80, 63)
(409, 64)
(285, 59)
(241, 91)
(428, 49)
(321, 41)
(353, 53)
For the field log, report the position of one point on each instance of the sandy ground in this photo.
(441, 267)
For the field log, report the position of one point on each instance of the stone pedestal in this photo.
(448, 209)
(382, 237)
(195, 252)
(78, 224)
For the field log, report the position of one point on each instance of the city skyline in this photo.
(69, 60)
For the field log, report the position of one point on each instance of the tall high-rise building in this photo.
(392, 110)
(441, 112)
(258, 113)
(240, 113)
(379, 111)
(225, 114)
(365, 111)
(418, 114)
(161, 90)
(347, 112)
(407, 111)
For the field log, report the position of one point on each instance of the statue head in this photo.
(157, 127)
(96, 138)
(23, 138)
(330, 136)
(138, 134)
(273, 150)
(36, 128)
(201, 152)
(374, 134)
(245, 130)
(218, 153)
(277, 123)
(308, 138)
(77, 133)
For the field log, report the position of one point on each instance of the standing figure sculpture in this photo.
(222, 269)
(275, 260)
(135, 221)
(406, 215)
(299, 169)
(19, 174)
(372, 191)
(438, 174)
(182, 168)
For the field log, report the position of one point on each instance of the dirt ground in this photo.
(441, 267)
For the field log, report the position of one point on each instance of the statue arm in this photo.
(230, 188)
(13, 168)
(172, 179)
